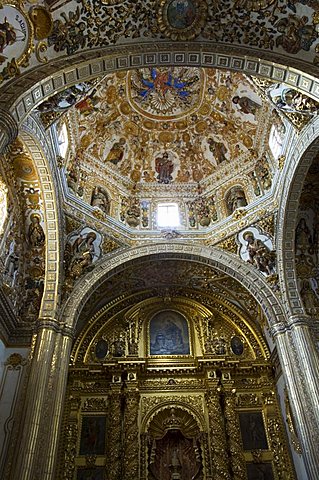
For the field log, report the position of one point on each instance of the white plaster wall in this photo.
(11, 378)
(297, 458)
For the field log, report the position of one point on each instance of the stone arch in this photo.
(303, 150)
(225, 262)
(34, 139)
(22, 95)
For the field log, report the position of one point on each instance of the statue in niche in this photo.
(116, 153)
(100, 200)
(80, 255)
(164, 167)
(263, 173)
(175, 457)
(259, 254)
(236, 198)
(246, 104)
(36, 234)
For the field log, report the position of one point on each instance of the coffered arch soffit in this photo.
(51, 210)
(223, 262)
(303, 151)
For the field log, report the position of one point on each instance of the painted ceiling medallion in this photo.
(182, 19)
(15, 40)
(165, 92)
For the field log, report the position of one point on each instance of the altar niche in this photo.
(169, 334)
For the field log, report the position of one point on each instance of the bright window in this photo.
(275, 141)
(3, 205)
(167, 215)
(63, 140)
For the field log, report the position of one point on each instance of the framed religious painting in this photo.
(93, 431)
(169, 334)
(96, 473)
(259, 471)
(253, 431)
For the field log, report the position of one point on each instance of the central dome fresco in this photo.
(197, 137)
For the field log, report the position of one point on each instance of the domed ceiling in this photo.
(197, 137)
(170, 125)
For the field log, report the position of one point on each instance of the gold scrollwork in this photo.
(40, 48)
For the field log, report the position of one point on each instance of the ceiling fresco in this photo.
(34, 34)
(170, 125)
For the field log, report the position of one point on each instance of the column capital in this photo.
(55, 325)
(8, 129)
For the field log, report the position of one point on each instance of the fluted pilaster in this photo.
(300, 364)
(44, 403)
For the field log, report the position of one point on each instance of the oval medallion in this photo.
(237, 346)
(101, 349)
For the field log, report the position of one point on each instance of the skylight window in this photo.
(167, 215)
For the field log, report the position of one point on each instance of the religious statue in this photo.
(263, 173)
(236, 199)
(100, 200)
(259, 254)
(246, 104)
(82, 254)
(116, 153)
(218, 149)
(35, 233)
(164, 167)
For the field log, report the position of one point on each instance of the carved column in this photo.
(131, 440)
(8, 130)
(44, 402)
(300, 364)
(217, 436)
(237, 460)
(115, 454)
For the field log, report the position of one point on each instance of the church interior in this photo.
(159, 240)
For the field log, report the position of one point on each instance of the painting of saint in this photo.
(253, 431)
(93, 435)
(169, 334)
(260, 471)
(181, 13)
(164, 167)
(96, 473)
(246, 104)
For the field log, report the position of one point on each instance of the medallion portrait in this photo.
(14, 36)
(169, 334)
(181, 13)
(182, 19)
